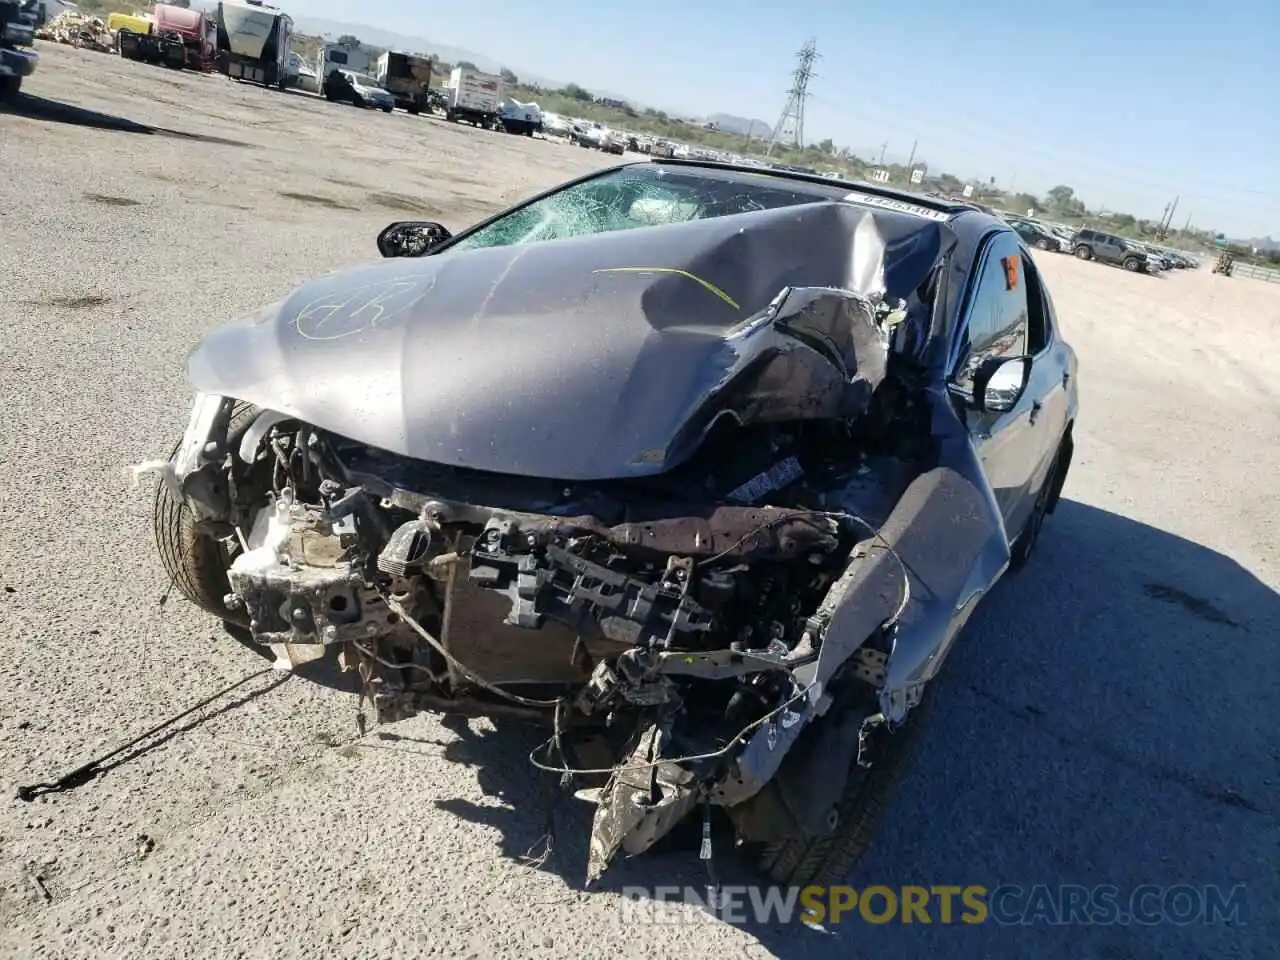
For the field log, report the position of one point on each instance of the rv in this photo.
(335, 56)
(406, 77)
(254, 42)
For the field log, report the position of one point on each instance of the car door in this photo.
(995, 325)
(1048, 387)
(1111, 248)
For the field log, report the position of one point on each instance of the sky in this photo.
(1130, 104)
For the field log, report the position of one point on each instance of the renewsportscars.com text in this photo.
(1051, 905)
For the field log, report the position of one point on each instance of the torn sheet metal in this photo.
(641, 802)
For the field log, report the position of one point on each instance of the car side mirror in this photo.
(412, 238)
(999, 383)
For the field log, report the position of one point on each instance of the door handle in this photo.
(1066, 377)
(1035, 411)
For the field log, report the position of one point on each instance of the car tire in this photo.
(801, 862)
(386, 109)
(1084, 253)
(10, 84)
(1021, 549)
(1132, 264)
(1042, 244)
(194, 561)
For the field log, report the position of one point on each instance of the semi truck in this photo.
(19, 21)
(254, 42)
(473, 96)
(406, 76)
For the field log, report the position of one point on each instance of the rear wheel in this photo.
(1042, 244)
(194, 561)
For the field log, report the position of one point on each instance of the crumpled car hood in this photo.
(582, 358)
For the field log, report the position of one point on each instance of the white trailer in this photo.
(473, 96)
(254, 42)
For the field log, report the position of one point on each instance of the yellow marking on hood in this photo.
(705, 284)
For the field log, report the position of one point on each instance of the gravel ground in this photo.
(1110, 716)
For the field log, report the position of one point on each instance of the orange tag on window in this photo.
(1010, 271)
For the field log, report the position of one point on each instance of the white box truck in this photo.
(474, 97)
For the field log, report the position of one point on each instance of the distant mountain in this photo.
(1264, 243)
(742, 125)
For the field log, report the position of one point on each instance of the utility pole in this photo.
(1166, 218)
(911, 159)
(883, 147)
(792, 117)
(1187, 226)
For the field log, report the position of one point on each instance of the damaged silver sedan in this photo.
(704, 467)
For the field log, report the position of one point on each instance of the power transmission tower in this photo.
(792, 120)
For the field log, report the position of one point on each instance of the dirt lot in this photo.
(1110, 716)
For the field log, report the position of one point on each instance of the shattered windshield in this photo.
(640, 196)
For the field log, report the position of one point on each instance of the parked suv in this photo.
(1108, 248)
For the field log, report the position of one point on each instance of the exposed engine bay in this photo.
(660, 617)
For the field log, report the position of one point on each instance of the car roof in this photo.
(852, 191)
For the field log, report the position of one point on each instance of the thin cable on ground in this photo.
(87, 771)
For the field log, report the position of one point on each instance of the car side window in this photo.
(1038, 323)
(996, 320)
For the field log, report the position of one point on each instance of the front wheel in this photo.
(800, 862)
(1042, 244)
(386, 109)
(1084, 253)
(1132, 264)
(194, 561)
(1021, 549)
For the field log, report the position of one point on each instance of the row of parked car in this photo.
(1097, 245)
